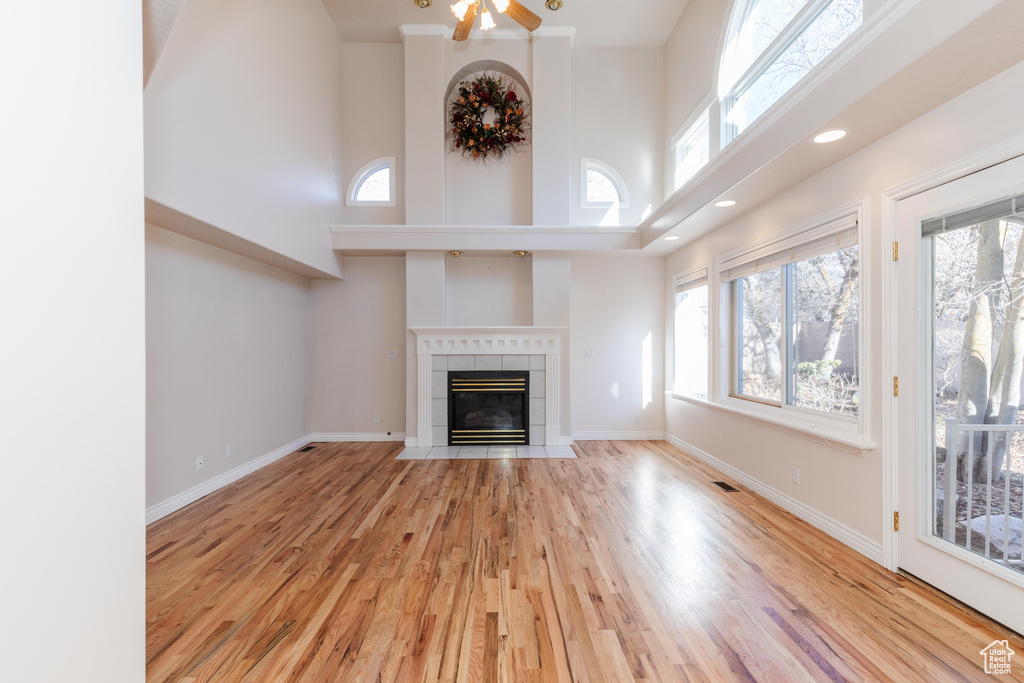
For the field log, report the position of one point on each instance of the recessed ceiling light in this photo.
(830, 135)
(725, 202)
(671, 238)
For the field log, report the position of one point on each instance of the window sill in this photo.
(365, 202)
(837, 433)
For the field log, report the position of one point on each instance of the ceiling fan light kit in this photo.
(466, 10)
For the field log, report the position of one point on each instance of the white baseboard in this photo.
(618, 436)
(411, 441)
(837, 530)
(346, 438)
(161, 510)
(565, 441)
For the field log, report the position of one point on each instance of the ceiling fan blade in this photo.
(525, 17)
(466, 25)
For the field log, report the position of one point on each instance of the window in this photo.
(690, 352)
(773, 44)
(795, 314)
(601, 186)
(373, 184)
(693, 150)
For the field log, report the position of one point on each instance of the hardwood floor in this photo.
(343, 564)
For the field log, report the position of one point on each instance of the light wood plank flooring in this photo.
(344, 564)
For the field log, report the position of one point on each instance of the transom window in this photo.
(772, 45)
(373, 184)
(795, 322)
(601, 186)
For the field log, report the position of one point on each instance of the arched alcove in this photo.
(480, 66)
(492, 191)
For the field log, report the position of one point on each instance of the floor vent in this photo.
(306, 449)
(726, 486)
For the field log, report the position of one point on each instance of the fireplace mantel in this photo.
(450, 341)
(476, 341)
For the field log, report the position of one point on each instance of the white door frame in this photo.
(991, 156)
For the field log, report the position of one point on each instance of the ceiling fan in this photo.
(466, 10)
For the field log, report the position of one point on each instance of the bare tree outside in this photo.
(826, 302)
(766, 20)
(760, 333)
(978, 362)
(818, 351)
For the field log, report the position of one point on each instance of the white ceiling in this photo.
(158, 18)
(597, 22)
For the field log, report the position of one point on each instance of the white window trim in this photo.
(692, 119)
(847, 432)
(731, 92)
(612, 175)
(365, 172)
(683, 281)
(684, 146)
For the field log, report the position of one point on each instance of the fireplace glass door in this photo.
(488, 408)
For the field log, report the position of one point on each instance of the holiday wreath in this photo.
(477, 136)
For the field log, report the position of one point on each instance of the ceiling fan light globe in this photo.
(459, 9)
(486, 20)
(501, 5)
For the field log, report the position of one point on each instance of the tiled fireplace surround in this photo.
(441, 349)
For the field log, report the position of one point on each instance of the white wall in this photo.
(355, 322)
(374, 123)
(424, 307)
(422, 56)
(617, 110)
(691, 60)
(617, 310)
(227, 360)
(71, 301)
(496, 191)
(243, 120)
(841, 485)
(489, 291)
(491, 192)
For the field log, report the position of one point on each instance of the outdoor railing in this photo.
(951, 492)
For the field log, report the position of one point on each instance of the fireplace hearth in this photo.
(488, 408)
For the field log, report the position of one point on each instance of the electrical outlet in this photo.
(636, 417)
(376, 419)
(392, 353)
(229, 450)
(199, 463)
(589, 353)
(796, 475)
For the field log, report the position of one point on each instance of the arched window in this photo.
(601, 186)
(772, 44)
(373, 184)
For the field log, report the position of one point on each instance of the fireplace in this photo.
(488, 408)
(533, 350)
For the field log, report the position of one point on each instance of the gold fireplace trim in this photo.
(509, 386)
(488, 431)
